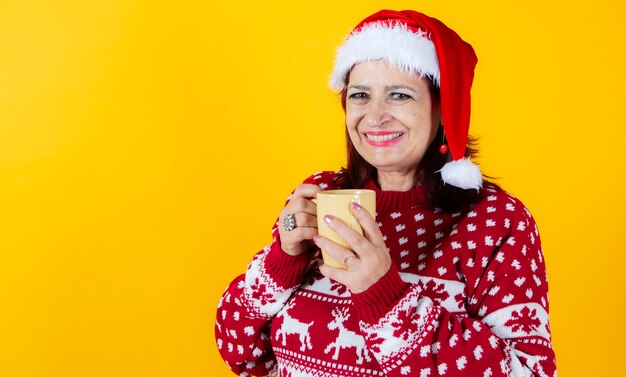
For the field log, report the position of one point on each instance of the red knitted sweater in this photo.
(467, 294)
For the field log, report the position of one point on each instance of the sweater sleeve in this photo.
(505, 332)
(249, 304)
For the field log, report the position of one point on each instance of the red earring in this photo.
(443, 149)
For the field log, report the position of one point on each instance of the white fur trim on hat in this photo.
(396, 44)
(463, 174)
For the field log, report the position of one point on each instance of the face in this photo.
(390, 115)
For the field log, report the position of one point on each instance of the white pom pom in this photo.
(463, 174)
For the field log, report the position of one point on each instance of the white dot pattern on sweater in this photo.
(465, 290)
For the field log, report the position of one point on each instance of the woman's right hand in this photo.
(299, 240)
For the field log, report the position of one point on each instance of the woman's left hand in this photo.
(371, 259)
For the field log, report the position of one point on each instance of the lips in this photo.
(382, 138)
(385, 137)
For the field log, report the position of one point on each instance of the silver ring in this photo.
(346, 259)
(289, 222)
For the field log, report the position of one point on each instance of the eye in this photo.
(400, 96)
(358, 96)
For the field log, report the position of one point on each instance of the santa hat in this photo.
(415, 42)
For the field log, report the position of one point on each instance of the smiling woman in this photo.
(447, 276)
(391, 118)
(428, 168)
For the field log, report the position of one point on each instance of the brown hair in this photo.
(443, 196)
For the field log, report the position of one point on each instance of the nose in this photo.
(377, 113)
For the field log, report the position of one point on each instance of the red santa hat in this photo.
(415, 42)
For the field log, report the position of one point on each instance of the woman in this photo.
(448, 279)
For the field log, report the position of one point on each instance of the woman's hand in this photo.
(370, 260)
(299, 240)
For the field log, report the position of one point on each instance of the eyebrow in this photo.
(387, 88)
(359, 87)
(396, 87)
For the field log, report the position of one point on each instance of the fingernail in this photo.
(356, 206)
(316, 238)
(328, 218)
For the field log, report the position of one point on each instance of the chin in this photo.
(386, 165)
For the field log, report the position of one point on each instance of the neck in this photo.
(396, 181)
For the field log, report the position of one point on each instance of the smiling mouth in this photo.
(381, 138)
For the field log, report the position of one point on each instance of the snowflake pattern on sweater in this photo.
(467, 294)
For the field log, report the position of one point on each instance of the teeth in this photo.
(379, 138)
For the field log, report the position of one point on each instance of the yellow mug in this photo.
(337, 203)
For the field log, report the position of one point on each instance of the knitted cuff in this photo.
(286, 270)
(378, 299)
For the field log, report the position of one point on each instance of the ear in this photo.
(436, 115)
(436, 112)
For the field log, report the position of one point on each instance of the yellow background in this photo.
(146, 148)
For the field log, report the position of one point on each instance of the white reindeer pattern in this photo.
(291, 325)
(346, 338)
